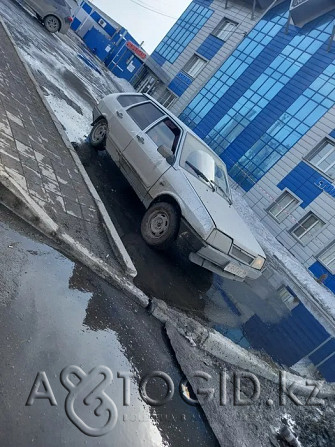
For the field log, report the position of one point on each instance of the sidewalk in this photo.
(38, 160)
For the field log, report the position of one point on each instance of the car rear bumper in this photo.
(212, 259)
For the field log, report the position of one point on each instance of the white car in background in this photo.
(181, 181)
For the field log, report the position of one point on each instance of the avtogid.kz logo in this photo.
(90, 388)
(87, 393)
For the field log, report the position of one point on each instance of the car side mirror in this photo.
(166, 153)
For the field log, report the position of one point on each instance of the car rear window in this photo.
(145, 114)
(129, 100)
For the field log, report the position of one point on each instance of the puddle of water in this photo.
(57, 314)
(268, 316)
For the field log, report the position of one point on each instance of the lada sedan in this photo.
(182, 183)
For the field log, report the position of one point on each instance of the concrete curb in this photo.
(113, 236)
(14, 197)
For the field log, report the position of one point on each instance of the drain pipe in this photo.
(253, 10)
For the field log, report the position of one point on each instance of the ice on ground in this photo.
(73, 87)
(72, 106)
(275, 249)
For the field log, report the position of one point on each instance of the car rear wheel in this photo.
(160, 225)
(98, 134)
(52, 24)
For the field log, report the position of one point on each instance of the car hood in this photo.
(225, 217)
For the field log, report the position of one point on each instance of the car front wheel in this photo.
(98, 134)
(160, 225)
(52, 24)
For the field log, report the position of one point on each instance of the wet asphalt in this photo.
(55, 313)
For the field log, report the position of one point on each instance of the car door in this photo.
(123, 126)
(142, 155)
(36, 6)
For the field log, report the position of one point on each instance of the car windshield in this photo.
(201, 162)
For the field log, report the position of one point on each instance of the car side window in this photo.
(165, 133)
(145, 114)
(129, 100)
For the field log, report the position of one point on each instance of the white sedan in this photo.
(181, 181)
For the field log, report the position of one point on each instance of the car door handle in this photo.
(119, 114)
(140, 139)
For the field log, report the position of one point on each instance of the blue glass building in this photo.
(275, 87)
(258, 85)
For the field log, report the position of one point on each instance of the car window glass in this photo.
(129, 100)
(196, 153)
(165, 133)
(145, 114)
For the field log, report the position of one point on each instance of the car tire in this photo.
(98, 135)
(51, 24)
(160, 225)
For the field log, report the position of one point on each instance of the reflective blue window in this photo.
(278, 107)
(184, 30)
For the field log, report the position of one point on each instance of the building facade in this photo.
(258, 85)
(108, 40)
(190, 54)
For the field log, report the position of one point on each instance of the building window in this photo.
(327, 258)
(307, 228)
(194, 66)
(183, 31)
(323, 158)
(283, 206)
(224, 29)
(222, 121)
(167, 99)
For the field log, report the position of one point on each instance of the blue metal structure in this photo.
(107, 40)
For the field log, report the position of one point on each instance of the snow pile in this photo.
(274, 249)
(75, 125)
(122, 84)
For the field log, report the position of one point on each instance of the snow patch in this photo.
(76, 126)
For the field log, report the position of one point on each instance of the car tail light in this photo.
(69, 19)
